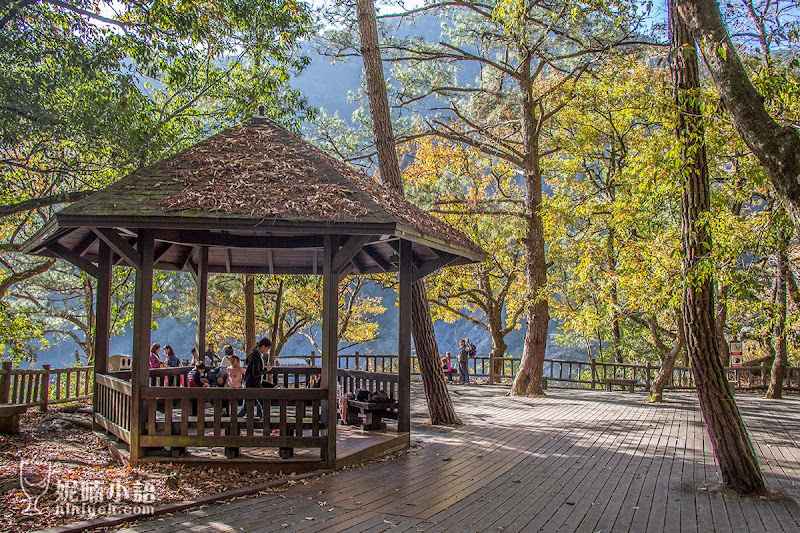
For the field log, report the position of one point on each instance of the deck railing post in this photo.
(5, 384)
(647, 375)
(593, 366)
(765, 375)
(45, 387)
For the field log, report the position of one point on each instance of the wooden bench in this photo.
(374, 413)
(9, 417)
(626, 383)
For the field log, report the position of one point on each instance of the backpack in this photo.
(213, 375)
(362, 395)
(472, 350)
(379, 397)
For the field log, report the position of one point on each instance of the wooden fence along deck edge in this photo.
(64, 385)
(46, 386)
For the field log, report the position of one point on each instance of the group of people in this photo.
(465, 350)
(171, 359)
(230, 373)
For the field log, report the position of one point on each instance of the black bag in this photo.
(214, 374)
(379, 397)
(362, 395)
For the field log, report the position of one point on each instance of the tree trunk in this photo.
(616, 333)
(737, 459)
(780, 363)
(776, 147)
(440, 405)
(528, 381)
(437, 396)
(249, 314)
(667, 362)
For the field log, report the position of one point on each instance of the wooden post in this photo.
(647, 368)
(765, 375)
(357, 355)
(142, 319)
(44, 388)
(5, 384)
(250, 315)
(406, 273)
(202, 301)
(593, 366)
(330, 341)
(102, 319)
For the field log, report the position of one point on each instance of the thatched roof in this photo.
(255, 179)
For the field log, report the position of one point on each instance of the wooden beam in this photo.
(102, 317)
(161, 250)
(217, 239)
(142, 320)
(202, 299)
(348, 251)
(120, 245)
(228, 261)
(443, 260)
(85, 243)
(68, 255)
(404, 339)
(184, 261)
(330, 326)
(381, 261)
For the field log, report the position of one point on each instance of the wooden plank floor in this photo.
(574, 461)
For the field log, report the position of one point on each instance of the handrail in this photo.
(45, 386)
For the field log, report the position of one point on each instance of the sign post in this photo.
(736, 353)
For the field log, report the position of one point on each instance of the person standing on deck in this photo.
(254, 366)
(463, 358)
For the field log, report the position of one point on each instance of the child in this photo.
(235, 372)
(447, 367)
(197, 376)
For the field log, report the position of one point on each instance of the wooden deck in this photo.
(573, 461)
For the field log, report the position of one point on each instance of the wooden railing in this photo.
(293, 377)
(113, 406)
(176, 417)
(478, 366)
(45, 386)
(351, 380)
(569, 373)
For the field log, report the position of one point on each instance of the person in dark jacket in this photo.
(254, 366)
(197, 376)
(171, 357)
(463, 361)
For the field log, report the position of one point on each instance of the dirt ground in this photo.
(68, 475)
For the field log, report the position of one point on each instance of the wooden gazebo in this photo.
(252, 199)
